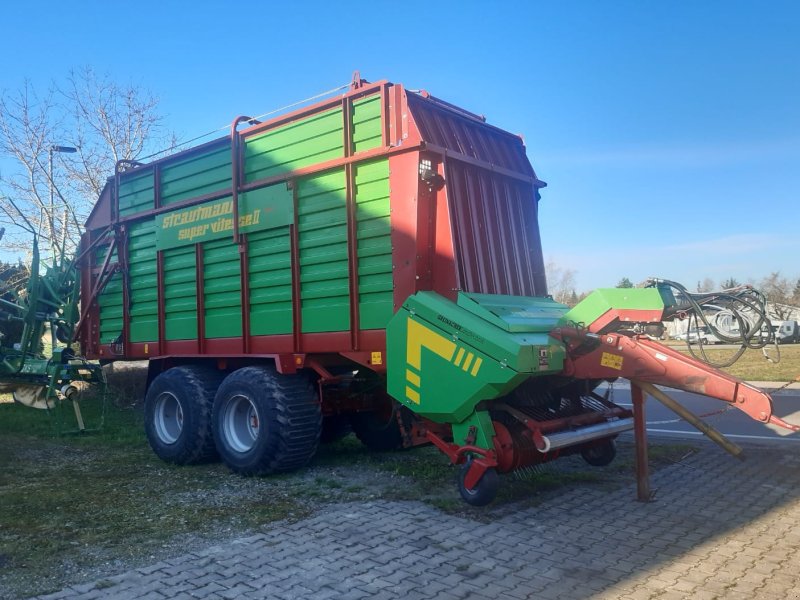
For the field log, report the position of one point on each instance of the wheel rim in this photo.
(595, 453)
(168, 418)
(241, 424)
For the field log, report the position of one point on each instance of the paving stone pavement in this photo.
(718, 528)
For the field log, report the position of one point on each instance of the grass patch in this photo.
(667, 454)
(415, 474)
(535, 488)
(752, 366)
(69, 503)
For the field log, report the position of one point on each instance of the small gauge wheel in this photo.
(600, 454)
(484, 491)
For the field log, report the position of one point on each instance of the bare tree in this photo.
(99, 122)
(779, 293)
(110, 122)
(730, 283)
(560, 282)
(27, 125)
(707, 285)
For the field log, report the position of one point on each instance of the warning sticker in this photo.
(612, 361)
(377, 358)
(544, 358)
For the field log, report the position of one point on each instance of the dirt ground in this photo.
(74, 513)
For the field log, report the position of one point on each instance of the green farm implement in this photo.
(46, 304)
(371, 261)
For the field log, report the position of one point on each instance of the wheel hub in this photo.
(168, 418)
(241, 424)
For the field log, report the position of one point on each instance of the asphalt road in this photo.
(736, 425)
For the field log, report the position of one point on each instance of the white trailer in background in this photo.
(786, 332)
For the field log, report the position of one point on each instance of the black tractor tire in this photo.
(600, 454)
(63, 334)
(177, 414)
(265, 422)
(484, 492)
(378, 430)
(334, 428)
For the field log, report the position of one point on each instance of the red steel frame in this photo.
(641, 359)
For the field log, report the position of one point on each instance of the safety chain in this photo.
(786, 385)
(703, 416)
(610, 397)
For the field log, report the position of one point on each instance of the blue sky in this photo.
(668, 132)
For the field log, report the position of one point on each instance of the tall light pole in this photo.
(51, 150)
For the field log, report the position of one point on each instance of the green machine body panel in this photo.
(445, 357)
(603, 300)
(201, 267)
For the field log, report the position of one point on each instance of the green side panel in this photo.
(519, 350)
(270, 267)
(367, 132)
(136, 192)
(196, 175)
(515, 314)
(180, 294)
(443, 359)
(306, 142)
(262, 208)
(110, 302)
(600, 301)
(322, 234)
(143, 281)
(375, 286)
(222, 284)
(426, 371)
